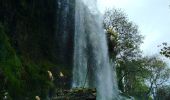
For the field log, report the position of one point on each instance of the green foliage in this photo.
(133, 70)
(139, 91)
(163, 93)
(36, 80)
(165, 50)
(123, 36)
(159, 73)
(124, 41)
(10, 65)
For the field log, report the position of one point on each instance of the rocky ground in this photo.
(76, 94)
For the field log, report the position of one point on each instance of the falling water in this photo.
(91, 62)
(64, 31)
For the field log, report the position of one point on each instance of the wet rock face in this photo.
(65, 30)
(41, 32)
(41, 28)
(31, 26)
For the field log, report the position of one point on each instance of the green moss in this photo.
(25, 78)
(25, 53)
(10, 65)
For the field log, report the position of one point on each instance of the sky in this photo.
(152, 17)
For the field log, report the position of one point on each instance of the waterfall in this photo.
(64, 31)
(92, 68)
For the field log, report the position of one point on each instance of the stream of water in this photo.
(92, 68)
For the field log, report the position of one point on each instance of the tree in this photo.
(163, 93)
(143, 76)
(165, 50)
(137, 76)
(158, 74)
(123, 36)
(124, 41)
(134, 78)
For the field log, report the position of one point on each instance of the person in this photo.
(37, 98)
(51, 86)
(50, 75)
